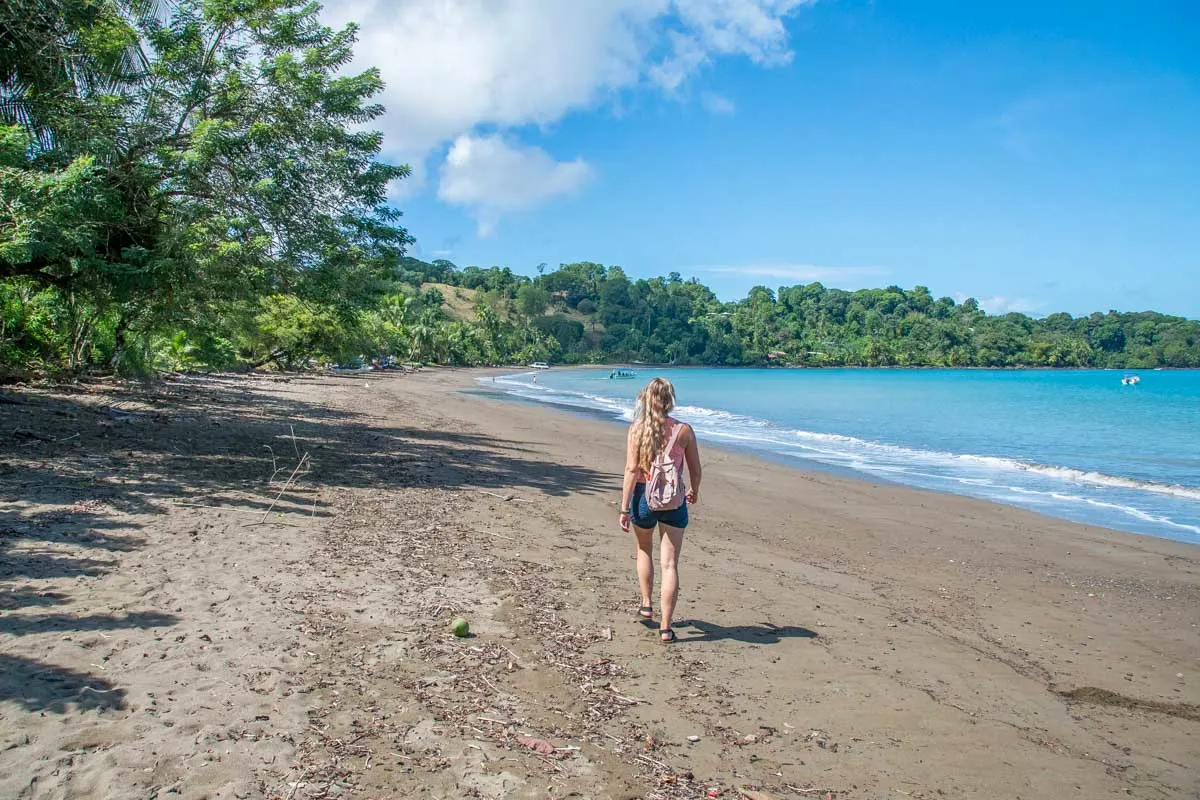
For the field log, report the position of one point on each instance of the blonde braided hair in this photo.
(653, 405)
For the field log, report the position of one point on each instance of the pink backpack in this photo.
(664, 486)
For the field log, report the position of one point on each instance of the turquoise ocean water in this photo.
(1073, 444)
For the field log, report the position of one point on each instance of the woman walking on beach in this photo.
(657, 448)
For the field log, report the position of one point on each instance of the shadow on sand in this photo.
(765, 633)
(71, 457)
(37, 686)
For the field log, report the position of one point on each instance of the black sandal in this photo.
(646, 612)
(668, 635)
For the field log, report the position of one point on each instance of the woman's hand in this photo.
(624, 519)
(693, 496)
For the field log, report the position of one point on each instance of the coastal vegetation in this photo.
(187, 183)
(595, 313)
(195, 185)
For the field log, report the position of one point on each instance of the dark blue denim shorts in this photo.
(643, 517)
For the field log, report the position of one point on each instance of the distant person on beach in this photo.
(654, 434)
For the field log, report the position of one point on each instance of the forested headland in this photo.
(593, 313)
(196, 185)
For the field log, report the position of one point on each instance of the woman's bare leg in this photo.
(645, 562)
(672, 543)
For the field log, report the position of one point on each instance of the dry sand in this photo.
(185, 614)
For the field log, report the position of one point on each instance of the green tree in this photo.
(176, 163)
(433, 300)
(293, 330)
(385, 328)
(423, 336)
(532, 299)
(488, 325)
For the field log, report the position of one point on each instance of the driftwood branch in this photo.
(508, 498)
(286, 486)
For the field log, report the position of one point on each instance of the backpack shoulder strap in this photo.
(674, 437)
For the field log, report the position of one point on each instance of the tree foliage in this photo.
(597, 314)
(158, 170)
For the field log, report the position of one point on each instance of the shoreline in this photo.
(177, 617)
(765, 456)
(764, 459)
(1157, 528)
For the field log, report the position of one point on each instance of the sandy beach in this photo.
(241, 587)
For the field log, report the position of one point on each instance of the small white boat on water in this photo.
(621, 373)
(539, 365)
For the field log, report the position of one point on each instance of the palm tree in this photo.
(457, 339)
(424, 335)
(395, 309)
(488, 325)
(421, 337)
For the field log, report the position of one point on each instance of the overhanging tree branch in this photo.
(37, 269)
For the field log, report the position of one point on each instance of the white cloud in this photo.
(452, 66)
(708, 29)
(999, 304)
(491, 177)
(796, 272)
(717, 104)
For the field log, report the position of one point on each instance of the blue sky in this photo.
(1038, 156)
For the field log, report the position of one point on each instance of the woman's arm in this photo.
(631, 473)
(691, 454)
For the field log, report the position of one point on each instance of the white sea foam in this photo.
(699, 413)
(522, 385)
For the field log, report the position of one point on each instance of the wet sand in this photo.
(184, 613)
